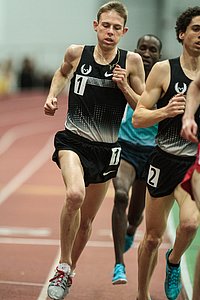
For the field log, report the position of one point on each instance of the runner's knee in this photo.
(74, 199)
(152, 242)
(121, 198)
(190, 226)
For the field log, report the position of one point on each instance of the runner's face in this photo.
(191, 37)
(110, 29)
(148, 48)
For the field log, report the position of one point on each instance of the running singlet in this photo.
(96, 105)
(136, 136)
(168, 137)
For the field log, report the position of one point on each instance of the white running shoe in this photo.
(59, 284)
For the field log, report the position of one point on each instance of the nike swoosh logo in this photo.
(108, 74)
(106, 173)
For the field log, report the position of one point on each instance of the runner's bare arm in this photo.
(61, 77)
(146, 114)
(131, 80)
(189, 125)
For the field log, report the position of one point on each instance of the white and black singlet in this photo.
(173, 155)
(168, 137)
(96, 104)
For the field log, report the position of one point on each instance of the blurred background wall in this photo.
(41, 30)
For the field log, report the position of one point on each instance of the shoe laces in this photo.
(61, 279)
(119, 268)
(174, 275)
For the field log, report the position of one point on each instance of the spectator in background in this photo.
(7, 77)
(27, 75)
(46, 80)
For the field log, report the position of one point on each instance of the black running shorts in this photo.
(136, 155)
(100, 161)
(165, 171)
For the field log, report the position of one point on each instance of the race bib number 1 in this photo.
(80, 84)
(115, 156)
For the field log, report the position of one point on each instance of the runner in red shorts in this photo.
(187, 183)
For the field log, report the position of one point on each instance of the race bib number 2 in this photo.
(153, 176)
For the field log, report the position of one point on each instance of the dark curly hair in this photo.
(184, 20)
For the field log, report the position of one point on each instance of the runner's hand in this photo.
(51, 106)
(189, 130)
(120, 77)
(176, 106)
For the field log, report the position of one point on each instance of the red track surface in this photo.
(31, 197)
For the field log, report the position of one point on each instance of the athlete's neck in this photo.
(190, 65)
(104, 57)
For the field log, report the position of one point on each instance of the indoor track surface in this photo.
(31, 198)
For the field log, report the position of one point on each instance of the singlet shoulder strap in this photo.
(122, 60)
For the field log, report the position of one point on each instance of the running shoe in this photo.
(59, 285)
(173, 280)
(119, 274)
(128, 242)
(72, 274)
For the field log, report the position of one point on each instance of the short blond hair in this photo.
(119, 7)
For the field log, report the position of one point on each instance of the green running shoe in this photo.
(173, 280)
(119, 274)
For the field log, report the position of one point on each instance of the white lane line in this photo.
(40, 158)
(51, 242)
(171, 231)
(108, 233)
(21, 131)
(39, 232)
(25, 241)
(21, 283)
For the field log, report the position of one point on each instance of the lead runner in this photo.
(104, 79)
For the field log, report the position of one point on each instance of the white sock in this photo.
(64, 267)
(72, 273)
